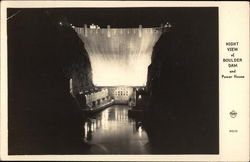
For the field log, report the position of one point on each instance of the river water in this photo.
(112, 132)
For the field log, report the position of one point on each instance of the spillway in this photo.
(119, 56)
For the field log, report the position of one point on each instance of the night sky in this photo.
(129, 17)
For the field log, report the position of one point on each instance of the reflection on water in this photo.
(113, 132)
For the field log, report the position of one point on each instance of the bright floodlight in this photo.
(119, 56)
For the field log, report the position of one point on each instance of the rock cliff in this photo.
(42, 57)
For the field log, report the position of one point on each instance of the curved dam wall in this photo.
(119, 56)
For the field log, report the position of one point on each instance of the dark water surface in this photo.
(113, 132)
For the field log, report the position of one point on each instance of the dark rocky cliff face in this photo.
(182, 116)
(76, 63)
(42, 56)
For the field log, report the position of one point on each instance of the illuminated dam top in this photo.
(119, 56)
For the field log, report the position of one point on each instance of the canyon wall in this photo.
(42, 57)
(183, 111)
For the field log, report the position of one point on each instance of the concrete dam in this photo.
(119, 56)
(119, 59)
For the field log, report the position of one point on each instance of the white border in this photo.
(234, 94)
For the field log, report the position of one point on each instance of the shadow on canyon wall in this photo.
(42, 56)
(182, 115)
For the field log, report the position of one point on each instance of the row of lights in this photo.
(61, 24)
(98, 27)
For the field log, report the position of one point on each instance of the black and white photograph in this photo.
(114, 80)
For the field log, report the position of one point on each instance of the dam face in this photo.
(119, 59)
(119, 56)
